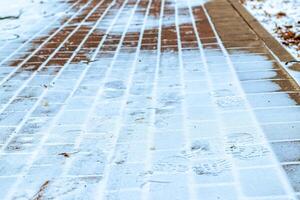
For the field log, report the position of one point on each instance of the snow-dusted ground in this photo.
(173, 122)
(20, 19)
(281, 18)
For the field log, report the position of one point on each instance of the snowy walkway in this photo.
(147, 99)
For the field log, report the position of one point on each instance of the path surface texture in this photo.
(146, 99)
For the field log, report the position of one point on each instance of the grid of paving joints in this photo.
(140, 99)
(272, 93)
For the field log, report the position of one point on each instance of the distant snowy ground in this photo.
(281, 18)
(21, 18)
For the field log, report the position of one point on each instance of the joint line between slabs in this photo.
(191, 179)
(30, 162)
(150, 138)
(36, 34)
(219, 121)
(40, 67)
(282, 175)
(100, 91)
(45, 42)
(135, 62)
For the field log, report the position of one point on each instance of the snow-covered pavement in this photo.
(141, 99)
(22, 20)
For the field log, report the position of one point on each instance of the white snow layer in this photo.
(20, 18)
(279, 15)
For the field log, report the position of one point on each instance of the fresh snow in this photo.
(281, 18)
(20, 18)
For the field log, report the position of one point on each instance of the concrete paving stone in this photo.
(136, 116)
(172, 161)
(282, 131)
(263, 86)
(250, 58)
(217, 192)
(21, 105)
(293, 171)
(54, 97)
(257, 75)
(22, 143)
(197, 86)
(63, 85)
(287, 151)
(86, 91)
(218, 68)
(34, 125)
(169, 122)
(126, 176)
(200, 99)
(73, 117)
(50, 159)
(270, 100)
(261, 66)
(225, 89)
(165, 140)
(94, 159)
(215, 171)
(30, 92)
(45, 109)
(260, 182)
(250, 155)
(276, 198)
(203, 129)
(56, 149)
(11, 118)
(11, 86)
(222, 77)
(64, 134)
(230, 103)
(126, 195)
(41, 81)
(279, 114)
(68, 188)
(6, 132)
(205, 148)
(12, 164)
(74, 74)
(237, 118)
(4, 184)
(168, 186)
(200, 113)
(95, 142)
(243, 135)
(130, 152)
(134, 133)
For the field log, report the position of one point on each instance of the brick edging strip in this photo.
(275, 47)
(265, 36)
